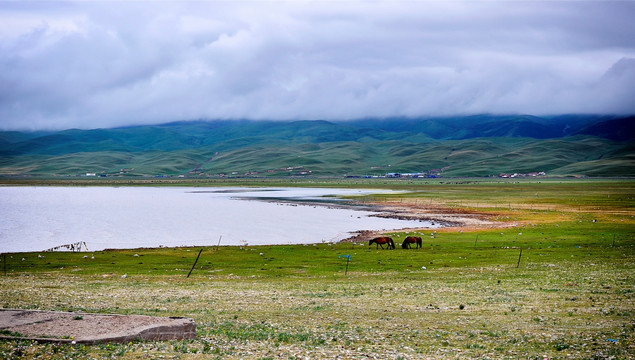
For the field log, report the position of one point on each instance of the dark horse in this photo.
(380, 241)
(411, 240)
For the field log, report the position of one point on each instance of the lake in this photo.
(39, 218)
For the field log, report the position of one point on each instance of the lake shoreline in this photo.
(39, 218)
(449, 219)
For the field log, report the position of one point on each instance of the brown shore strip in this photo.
(451, 219)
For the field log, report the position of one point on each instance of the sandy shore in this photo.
(450, 219)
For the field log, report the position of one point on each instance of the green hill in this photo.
(462, 146)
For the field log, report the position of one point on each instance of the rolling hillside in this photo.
(461, 146)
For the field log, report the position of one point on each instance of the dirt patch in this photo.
(92, 328)
(438, 214)
(450, 219)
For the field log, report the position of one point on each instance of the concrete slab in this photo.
(53, 326)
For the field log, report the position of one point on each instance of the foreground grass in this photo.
(464, 295)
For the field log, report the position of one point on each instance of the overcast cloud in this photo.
(104, 64)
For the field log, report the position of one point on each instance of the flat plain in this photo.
(549, 277)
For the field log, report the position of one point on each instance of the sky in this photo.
(96, 64)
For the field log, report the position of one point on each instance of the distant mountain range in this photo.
(481, 145)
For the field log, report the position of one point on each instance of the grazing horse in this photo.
(412, 240)
(380, 241)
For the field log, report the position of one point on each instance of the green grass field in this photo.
(481, 146)
(465, 294)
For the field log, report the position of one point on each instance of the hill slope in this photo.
(461, 146)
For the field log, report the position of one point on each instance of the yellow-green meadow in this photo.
(552, 278)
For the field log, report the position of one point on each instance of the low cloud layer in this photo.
(105, 64)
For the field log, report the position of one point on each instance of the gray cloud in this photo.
(102, 64)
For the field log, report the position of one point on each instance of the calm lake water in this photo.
(39, 218)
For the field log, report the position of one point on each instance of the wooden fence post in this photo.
(199, 254)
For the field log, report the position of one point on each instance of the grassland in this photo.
(468, 293)
(461, 147)
(470, 157)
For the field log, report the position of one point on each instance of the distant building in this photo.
(516, 175)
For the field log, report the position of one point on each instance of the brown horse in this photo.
(380, 241)
(412, 240)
